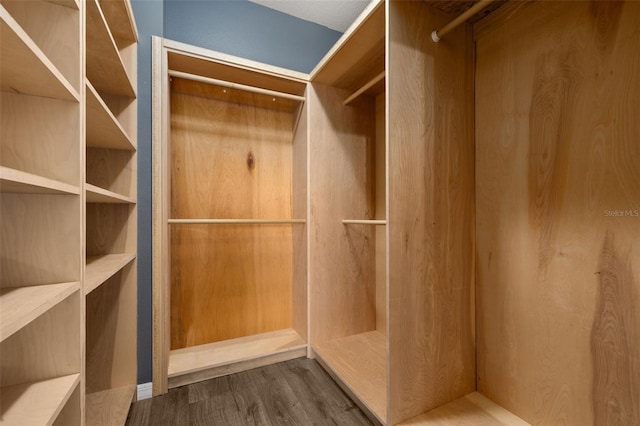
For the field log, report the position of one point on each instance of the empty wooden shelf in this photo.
(109, 407)
(99, 195)
(99, 269)
(103, 128)
(217, 359)
(105, 68)
(16, 181)
(25, 68)
(36, 403)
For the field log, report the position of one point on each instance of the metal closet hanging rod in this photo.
(436, 35)
(246, 88)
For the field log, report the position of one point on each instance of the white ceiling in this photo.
(335, 14)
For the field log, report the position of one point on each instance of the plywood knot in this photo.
(251, 163)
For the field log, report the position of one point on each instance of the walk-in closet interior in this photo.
(444, 213)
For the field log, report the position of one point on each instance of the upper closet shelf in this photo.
(25, 68)
(16, 181)
(105, 68)
(21, 305)
(72, 4)
(119, 16)
(103, 129)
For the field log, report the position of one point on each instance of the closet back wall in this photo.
(236, 27)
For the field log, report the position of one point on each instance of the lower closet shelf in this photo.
(360, 363)
(109, 407)
(36, 403)
(473, 409)
(193, 364)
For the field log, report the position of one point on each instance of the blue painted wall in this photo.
(236, 27)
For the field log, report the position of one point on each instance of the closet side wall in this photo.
(431, 211)
(558, 206)
(342, 140)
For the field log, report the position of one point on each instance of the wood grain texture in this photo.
(111, 355)
(113, 170)
(360, 362)
(125, 110)
(430, 212)
(111, 229)
(358, 56)
(40, 239)
(119, 17)
(55, 333)
(381, 214)
(342, 179)
(37, 403)
(229, 160)
(109, 407)
(105, 67)
(55, 30)
(21, 305)
(95, 194)
(556, 155)
(103, 128)
(458, 7)
(19, 182)
(473, 409)
(253, 74)
(99, 269)
(299, 297)
(46, 147)
(25, 68)
(71, 413)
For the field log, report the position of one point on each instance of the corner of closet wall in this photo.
(41, 210)
(110, 274)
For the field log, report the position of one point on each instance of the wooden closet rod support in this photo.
(230, 85)
(234, 221)
(436, 35)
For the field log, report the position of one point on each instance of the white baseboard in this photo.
(145, 391)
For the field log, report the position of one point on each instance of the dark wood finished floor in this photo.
(297, 392)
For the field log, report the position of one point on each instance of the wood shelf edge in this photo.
(21, 402)
(36, 304)
(98, 269)
(96, 194)
(109, 407)
(17, 181)
(108, 115)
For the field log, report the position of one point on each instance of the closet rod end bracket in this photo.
(434, 36)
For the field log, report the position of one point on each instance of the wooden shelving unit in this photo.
(110, 285)
(41, 210)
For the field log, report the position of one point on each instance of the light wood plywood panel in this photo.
(430, 212)
(229, 160)
(37, 403)
(342, 179)
(40, 136)
(55, 333)
(40, 239)
(125, 110)
(100, 268)
(381, 214)
(299, 233)
(473, 409)
(212, 355)
(103, 129)
(71, 413)
(109, 407)
(95, 194)
(113, 170)
(557, 154)
(360, 362)
(55, 30)
(359, 55)
(21, 305)
(111, 332)
(25, 68)
(19, 182)
(111, 229)
(105, 67)
(223, 70)
(119, 16)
